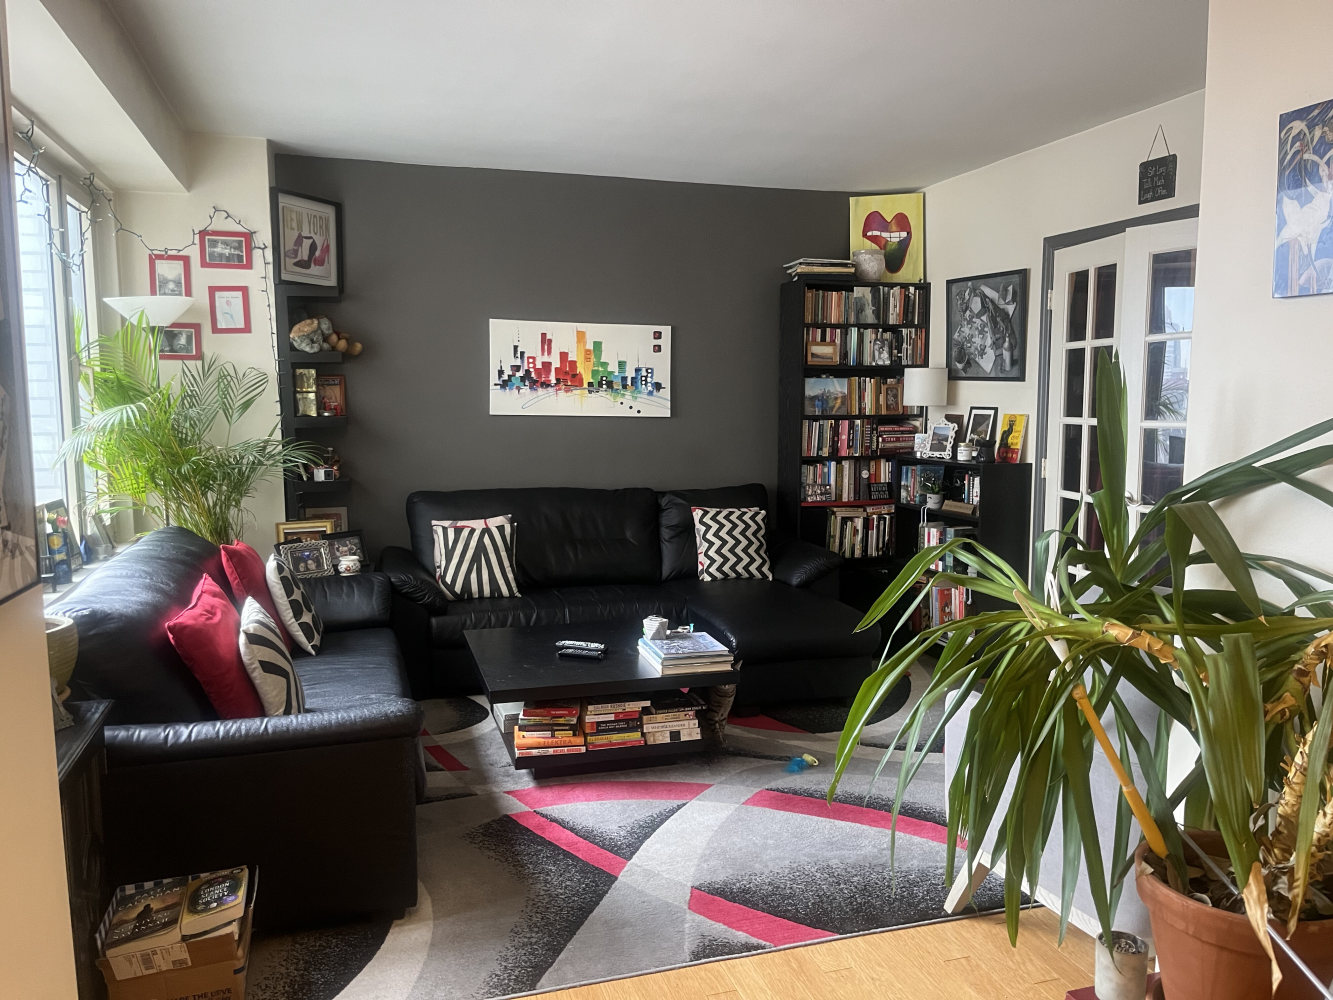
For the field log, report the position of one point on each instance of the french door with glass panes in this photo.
(1133, 293)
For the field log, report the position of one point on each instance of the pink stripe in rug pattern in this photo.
(761, 926)
(762, 722)
(806, 806)
(571, 842)
(444, 758)
(608, 791)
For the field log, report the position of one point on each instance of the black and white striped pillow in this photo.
(731, 543)
(475, 558)
(268, 663)
(294, 608)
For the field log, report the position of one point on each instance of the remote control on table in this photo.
(571, 644)
(586, 654)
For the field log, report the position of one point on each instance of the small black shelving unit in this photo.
(294, 303)
(809, 520)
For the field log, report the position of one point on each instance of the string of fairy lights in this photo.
(32, 188)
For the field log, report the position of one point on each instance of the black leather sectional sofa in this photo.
(599, 555)
(323, 802)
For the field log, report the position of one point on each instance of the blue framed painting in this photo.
(1303, 247)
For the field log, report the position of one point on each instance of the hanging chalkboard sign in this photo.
(1157, 179)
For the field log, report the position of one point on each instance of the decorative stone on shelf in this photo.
(306, 336)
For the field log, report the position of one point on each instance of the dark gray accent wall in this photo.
(433, 253)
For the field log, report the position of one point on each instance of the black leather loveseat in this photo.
(324, 802)
(609, 555)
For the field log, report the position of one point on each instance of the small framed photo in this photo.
(224, 249)
(229, 308)
(180, 342)
(347, 543)
(981, 422)
(307, 559)
(169, 274)
(821, 354)
(304, 531)
(939, 443)
(308, 232)
(337, 516)
(332, 394)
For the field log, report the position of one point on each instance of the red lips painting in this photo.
(892, 222)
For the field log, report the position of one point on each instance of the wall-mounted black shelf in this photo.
(319, 423)
(320, 486)
(300, 358)
(298, 291)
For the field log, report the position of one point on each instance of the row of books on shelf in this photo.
(869, 304)
(847, 479)
(861, 532)
(915, 481)
(855, 438)
(944, 605)
(937, 533)
(860, 346)
(833, 396)
(557, 728)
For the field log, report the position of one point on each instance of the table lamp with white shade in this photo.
(925, 386)
(157, 310)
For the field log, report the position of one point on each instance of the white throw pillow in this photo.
(268, 663)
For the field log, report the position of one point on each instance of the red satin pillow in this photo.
(207, 635)
(246, 573)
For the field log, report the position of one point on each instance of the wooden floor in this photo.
(960, 960)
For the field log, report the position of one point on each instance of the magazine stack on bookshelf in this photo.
(685, 653)
(868, 346)
(673, 718)
(614, 722)
(818, 265)
(847, 479)
(861, 532)
(548, 729)
(871, 305)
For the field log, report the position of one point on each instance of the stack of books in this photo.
(818, 265)
(608, 724)
(548, 728)
(673, 718)
(148, 923)
(686, 653)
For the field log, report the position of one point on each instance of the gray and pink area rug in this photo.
(534, 885)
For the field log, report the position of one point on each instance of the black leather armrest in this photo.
(412, 580)
(347, 602)
(359, 722)
(800, 564)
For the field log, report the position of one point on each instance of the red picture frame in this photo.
(228, 308)
(219, 248)
(184, 261)
(165, 336)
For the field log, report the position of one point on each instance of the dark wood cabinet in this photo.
(80, 764)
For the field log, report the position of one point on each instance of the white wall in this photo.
(233, 174)
(995, 219)
(36, 946)
(1260, 364)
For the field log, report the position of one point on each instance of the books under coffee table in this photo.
(628, 714)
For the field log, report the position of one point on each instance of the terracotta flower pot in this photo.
(1211, 954)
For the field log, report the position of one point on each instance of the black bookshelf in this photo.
(293, 303)
(809, 520)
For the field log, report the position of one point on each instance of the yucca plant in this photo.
(166, 448)
(1234, 669)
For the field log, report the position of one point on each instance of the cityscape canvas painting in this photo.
(579, 369)
(1303, 246)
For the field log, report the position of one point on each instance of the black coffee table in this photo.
(520, 664)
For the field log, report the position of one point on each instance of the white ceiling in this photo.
(820, 94)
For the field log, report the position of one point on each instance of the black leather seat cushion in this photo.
(352, 666)
(764, 621)
(121, 612)
(537, 607)
(680, 557)
(620, 602)
(563, 536)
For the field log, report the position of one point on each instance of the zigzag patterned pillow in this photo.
(731, 543)
(268, 663)
(475, 558)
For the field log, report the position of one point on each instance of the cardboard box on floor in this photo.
(217, 968)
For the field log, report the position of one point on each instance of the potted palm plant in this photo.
(1238, 672)
(165, 447)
